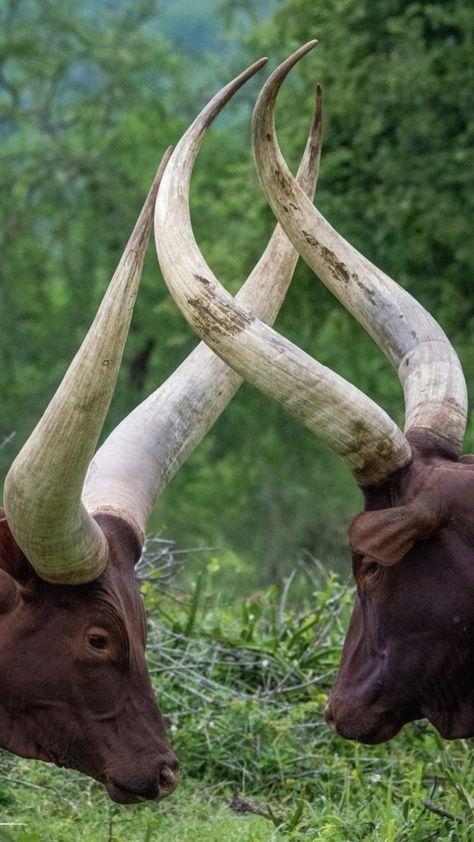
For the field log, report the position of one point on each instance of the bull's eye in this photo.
(371, 570)
(97, 641)
(367, 572)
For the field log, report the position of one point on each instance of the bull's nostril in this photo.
(168, 780)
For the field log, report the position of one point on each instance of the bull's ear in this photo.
(387, 535)
(12, 559)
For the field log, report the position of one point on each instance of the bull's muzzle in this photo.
(362, 723)
(140, 784)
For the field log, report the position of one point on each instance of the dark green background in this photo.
(90, 95)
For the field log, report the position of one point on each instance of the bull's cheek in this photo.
(65, 741)
(454, 725)
(17, 740)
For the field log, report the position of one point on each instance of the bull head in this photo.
(75, 688)
(409, 650)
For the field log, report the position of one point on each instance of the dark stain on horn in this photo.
(337, 268)
(203, 280)
(369, 293)
(211, 317)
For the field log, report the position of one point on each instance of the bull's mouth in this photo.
(374, 736)
(123, 796)
(362, 728)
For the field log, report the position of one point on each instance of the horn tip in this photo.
(258, 64)
(306, 48)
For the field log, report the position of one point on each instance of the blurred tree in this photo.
(91, 94)
(80, 93)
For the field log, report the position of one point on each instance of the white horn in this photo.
(42, 494)
(428, 367)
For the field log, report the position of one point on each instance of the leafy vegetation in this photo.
(243, 686)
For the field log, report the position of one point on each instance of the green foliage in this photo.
(76, 98)
(243, 686)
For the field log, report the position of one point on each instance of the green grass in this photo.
(41, 805)
(244, 686)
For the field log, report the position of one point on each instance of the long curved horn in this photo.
(42, 494)
(142, 454)
(428, 367)
(331, 407)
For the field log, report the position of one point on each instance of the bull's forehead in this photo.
(112, 600)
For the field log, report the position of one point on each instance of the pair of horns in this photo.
(56, 485)
(353, 425)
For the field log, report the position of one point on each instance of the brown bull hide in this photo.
(75, 688)
(409, 650)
